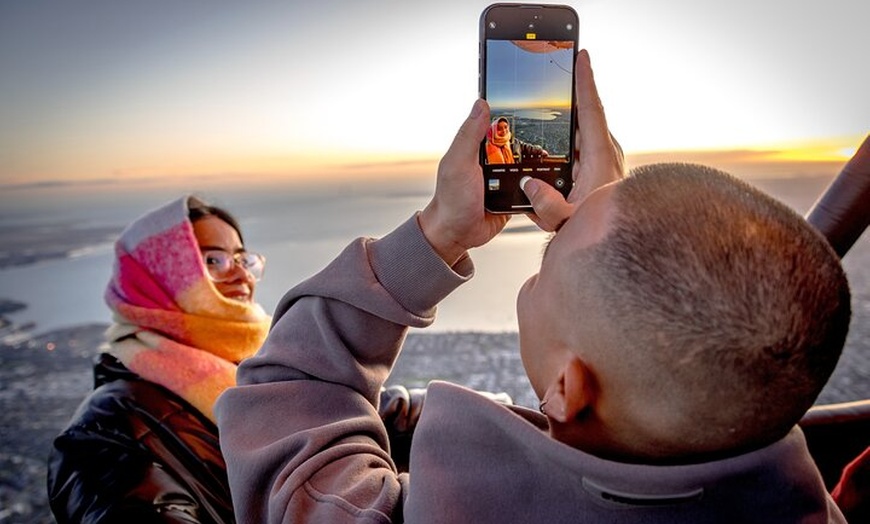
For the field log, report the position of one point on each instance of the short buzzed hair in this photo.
(730, 300)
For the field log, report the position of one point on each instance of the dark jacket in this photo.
(136, 452)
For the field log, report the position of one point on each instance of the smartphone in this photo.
(527, 54)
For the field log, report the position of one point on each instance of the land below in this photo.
(44, 377)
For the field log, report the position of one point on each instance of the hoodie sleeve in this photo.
(301, 432)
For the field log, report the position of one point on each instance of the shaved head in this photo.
(715, 313)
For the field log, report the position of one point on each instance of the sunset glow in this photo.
(124, 91)
(823, 151)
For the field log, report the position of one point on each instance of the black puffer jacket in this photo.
(136, 452)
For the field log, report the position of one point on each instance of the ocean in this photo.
(299, 229)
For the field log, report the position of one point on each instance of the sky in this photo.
(114, 90)
(546, 80)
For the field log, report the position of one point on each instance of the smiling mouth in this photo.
(242, 295)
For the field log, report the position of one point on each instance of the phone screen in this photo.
(527, 57)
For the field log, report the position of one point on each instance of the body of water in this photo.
(299, 232)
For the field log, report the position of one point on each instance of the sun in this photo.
(847, 152)
(826, 150)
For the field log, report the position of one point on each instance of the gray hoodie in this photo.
(304, 443)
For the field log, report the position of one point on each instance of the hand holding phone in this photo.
(603, 160)
(455, 221)
(527, 56)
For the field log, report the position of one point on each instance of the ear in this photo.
(571, 393)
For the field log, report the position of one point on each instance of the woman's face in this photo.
(502, 128)
(212, 233)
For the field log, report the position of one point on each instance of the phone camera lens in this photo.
(531, 26)
(492, 25)
(569, 27)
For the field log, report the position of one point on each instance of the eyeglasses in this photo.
(220, 264)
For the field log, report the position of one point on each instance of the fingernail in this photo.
(532, 189)
(477, 108)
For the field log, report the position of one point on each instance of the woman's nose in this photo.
(239, 273)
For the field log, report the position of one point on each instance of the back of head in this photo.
(721, 303)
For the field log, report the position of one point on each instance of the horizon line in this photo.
(744, 162)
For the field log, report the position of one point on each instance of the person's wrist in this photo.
(437, 234)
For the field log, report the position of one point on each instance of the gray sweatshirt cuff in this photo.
(412, 272)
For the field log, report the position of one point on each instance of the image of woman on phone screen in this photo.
(503, 148)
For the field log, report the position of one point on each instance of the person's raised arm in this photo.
(598, 157)
(301, 434)
(454, 220)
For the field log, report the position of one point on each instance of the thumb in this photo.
(466, 143)
(551, 209)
